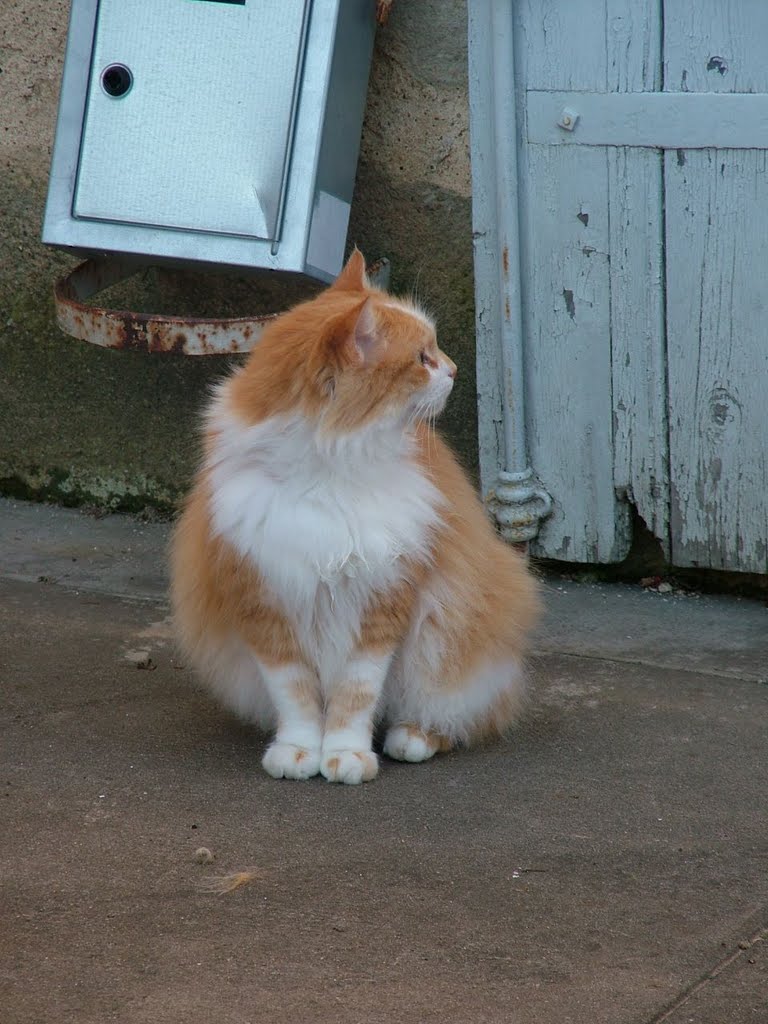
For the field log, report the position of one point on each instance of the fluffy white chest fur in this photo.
(326, 522)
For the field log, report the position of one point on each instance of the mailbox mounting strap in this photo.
(152, 332)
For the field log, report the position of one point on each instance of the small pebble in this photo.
(203, 855)
(664, 588)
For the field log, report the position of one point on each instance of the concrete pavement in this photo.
(609, 863)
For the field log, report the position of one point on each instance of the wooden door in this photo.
(644, 221)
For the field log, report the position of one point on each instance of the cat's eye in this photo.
(424, 358)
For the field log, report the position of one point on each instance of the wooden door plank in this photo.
(638, 343)
(663, 120)
(566, 292)
(568, 353)
(717, 247)
(592, 228)
(641, 451)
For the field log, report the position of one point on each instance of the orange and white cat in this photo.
(333, 567)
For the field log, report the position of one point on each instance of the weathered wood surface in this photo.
(638, 357)
(566, 289)
(660, 120)
(594, 288)
(643, 289)
(717, 293)
(641, 453)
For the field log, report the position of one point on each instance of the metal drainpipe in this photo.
(518, 502)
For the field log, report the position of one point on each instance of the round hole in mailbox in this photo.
(116, 80)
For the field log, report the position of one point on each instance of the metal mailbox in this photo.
(211, 131)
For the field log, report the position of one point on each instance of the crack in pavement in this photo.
(722, 965)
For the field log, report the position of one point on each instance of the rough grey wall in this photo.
(81, 424)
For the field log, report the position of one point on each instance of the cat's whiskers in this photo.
(426, 412)
(414, 295)
(430, 425)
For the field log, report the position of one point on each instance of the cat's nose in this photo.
(447, 365)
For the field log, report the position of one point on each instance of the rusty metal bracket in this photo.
(143, 332)
(151, 332)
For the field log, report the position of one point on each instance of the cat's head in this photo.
(353, 356)
(381, 357)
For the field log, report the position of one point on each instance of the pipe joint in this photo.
(519, 504)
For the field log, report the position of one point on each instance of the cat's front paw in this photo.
(288, 761)
(349, 766)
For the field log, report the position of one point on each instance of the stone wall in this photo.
(79, 424)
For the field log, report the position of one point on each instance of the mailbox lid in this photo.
(201, 139)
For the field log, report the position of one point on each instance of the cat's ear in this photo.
(366, 344)
(352, 278)
(359, 341)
